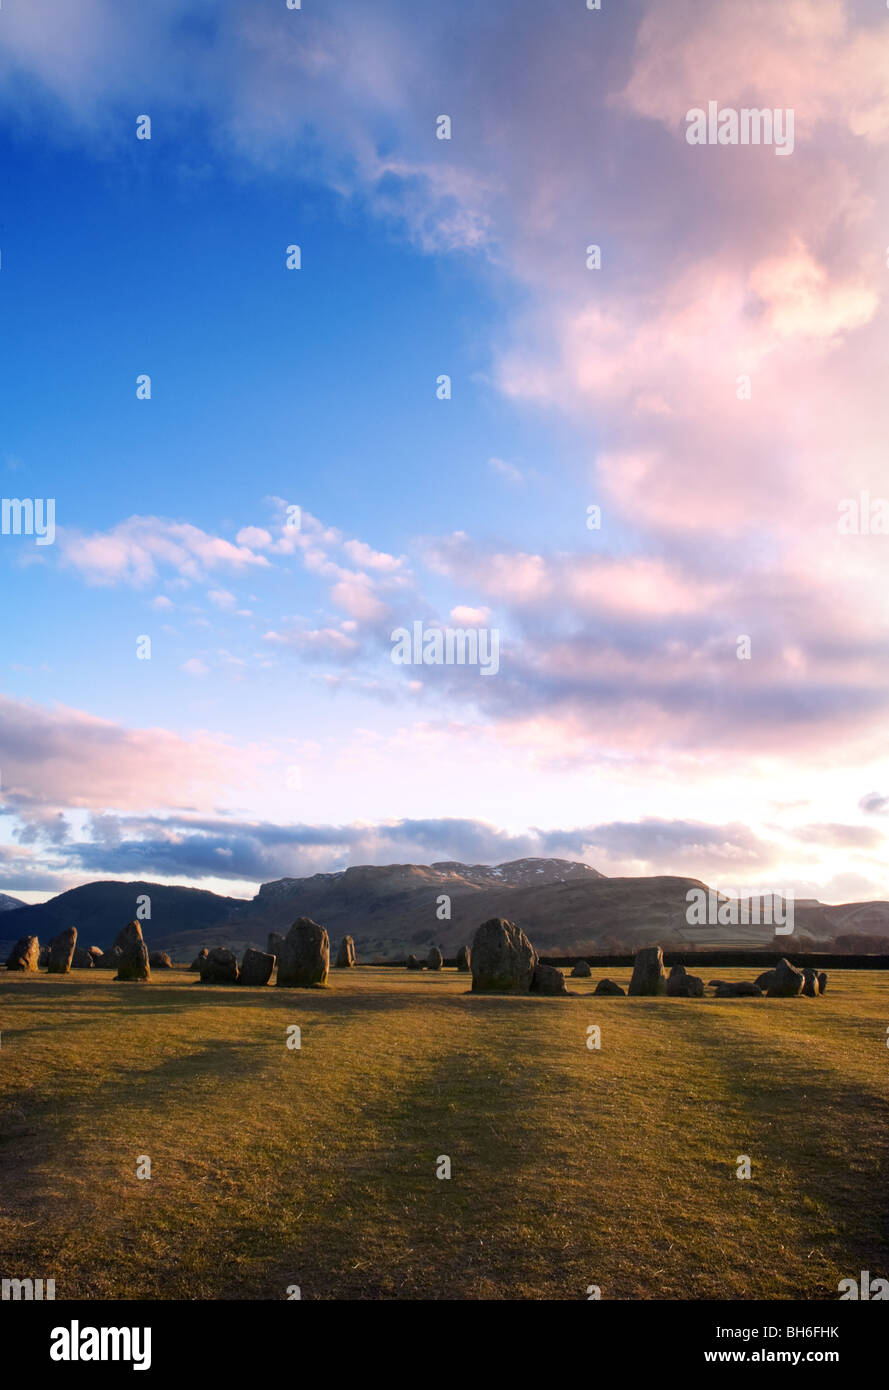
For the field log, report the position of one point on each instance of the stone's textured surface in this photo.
(811, 987)
(274, 944)
(24, 955)
(581, 971)
(822, 981)
(160, 960)
(649, 976)
(412, 963)
(345, 956)
(109, 960)
(788, 981)
(548, 979)
(256, 967)
(199, 959)
(435, 960)
(132, 963)
(304, 959)
(740, 990)
(219, 967)
(81, 960)
(607, 986)
(681, 985)
(464, 960)
(61, 951)
(503, 959)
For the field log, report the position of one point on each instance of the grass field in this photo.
(570, 1167)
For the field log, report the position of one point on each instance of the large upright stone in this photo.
(822, 981)
(649, 976)
(413, 963)
(219, 967)
(435, 959)
(256, 967)
(132, 963)
(548, 979)
(61, 951)
(305, 956)
(788, 981)
(199, 959)
(502, 959)
(24, 955)
(581, 971)
(464, 958)
(345, 956)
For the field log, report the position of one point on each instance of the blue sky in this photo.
(270, 733)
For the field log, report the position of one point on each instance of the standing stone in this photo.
(61, 951)
(788, 982)
(464, 957)
(81, 960)
(274, 944)
(199, 959)
(822, 981)
(548, 979)
(581, 971)
(219, 967)
(502, 959)
(681, 985)
(609, 987)
(305, 956)
(132, 963)
(345, 956)
(811, 987)
(649, 976)
(24, 955)
(256, 967)
(412, 963)
(160, 960)
(435, 959)
(110, 960)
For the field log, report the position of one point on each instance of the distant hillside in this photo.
(564, 906)
(8, 904)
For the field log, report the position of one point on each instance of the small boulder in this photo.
(81, 959)
(811, 987)
(649, 976)
(61, 951)
(766, 979)
(581, 971)
(160, 960)
(96, 952)
(739, 989)
(305, 956)
(464, 959)
(681, 985)
(502, 958)
(199, 959)
(548, 979)
(609, 987)
(219, 967)
(345, 956)
(788, 981)
(256, 967)
(412, 963)
(24, 955)
(109, 960)
(435, 960)
(132, 964)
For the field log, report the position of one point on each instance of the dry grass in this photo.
(316, 1167)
